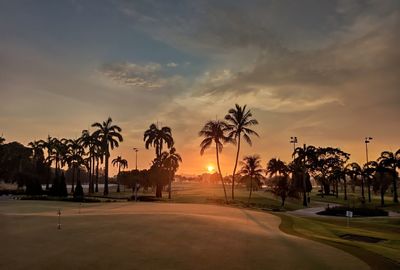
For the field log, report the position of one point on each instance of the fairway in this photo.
(154, 236)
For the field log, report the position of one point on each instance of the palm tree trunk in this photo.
(382, 195)
(169, 185)
(251, 189)
(119, 171)
(304, 189)
(395, 198)
(97, 176)
(73, 180)
(234, 168)
(369, 189)
(90, 175)
(220, 174)
(105, 192)
(345, 188)
(362, 191)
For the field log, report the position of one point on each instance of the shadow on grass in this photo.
(375, 261)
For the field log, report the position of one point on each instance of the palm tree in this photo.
(354, 170)
(239, 120)
(90, 142)
(157, 137)
(276, 167)
(109, 136)
(251, 167)
(47, 144)
(120, 162)
(74, 158)
(388, 160)
(38, 153)
(214, 131)
(98, 157)
(381, 174)
(368, 175)
(305, 157)
(171, 162)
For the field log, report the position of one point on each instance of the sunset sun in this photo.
(210, 168)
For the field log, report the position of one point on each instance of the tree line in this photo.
(328, 166)
(42, 161)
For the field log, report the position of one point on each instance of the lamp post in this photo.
(136, 150)
(294, 141)
(367, 141)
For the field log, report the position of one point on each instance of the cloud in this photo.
(132, 74)
(172, 65)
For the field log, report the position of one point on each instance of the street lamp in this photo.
(367, 141)
(294, 141)
(136, 150)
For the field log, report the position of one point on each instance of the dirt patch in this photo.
(362, 238)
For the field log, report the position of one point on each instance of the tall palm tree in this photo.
(368, 175)
(276, 167)
(215, 131)
(171, 162)
(239, 122)
(251, 167)
(74, 158)
(388, 160)
(48, 145)
(90, 142)
(109, 136)
(157, 137)
(38, 152)
(98, 157)
(306, 158)
(121, 163)
(381, 176)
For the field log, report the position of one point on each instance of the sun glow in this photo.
(210, 168)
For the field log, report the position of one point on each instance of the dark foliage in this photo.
(78, 193)
(360, 212)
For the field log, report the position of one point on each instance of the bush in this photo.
(340, 211)
(78, 193)
(62, 188)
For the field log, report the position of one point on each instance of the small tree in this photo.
(283, 187)
(62, 189)
(78, 193)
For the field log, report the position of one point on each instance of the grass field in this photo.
(154, 236)
(200, 233)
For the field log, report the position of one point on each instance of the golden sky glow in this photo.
(324, 71)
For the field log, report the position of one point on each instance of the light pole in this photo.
(294, 141)
(367, 141)
(136, 150)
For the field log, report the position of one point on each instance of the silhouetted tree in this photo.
(109, 137)
(120, 162)
(389, 161)
(239, 122)
(276, 167)
(251, 167)
(170, 161)
(305, 159)
(157, 137)
(215, 132)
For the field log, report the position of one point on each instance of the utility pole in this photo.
(136, 150)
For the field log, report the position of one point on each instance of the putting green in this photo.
(154, 236)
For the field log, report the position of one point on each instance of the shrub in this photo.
(78, 192)
(361, 212)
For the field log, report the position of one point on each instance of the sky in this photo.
(327, 72)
